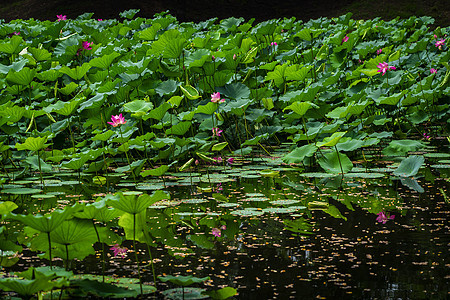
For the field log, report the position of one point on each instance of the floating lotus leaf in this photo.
(284, 202)
(279, 210)
(409, 166)
(21, 191)
(247, 213)
(364, 175)
(185, 293)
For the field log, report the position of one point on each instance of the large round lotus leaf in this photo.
(228, 204)
(21, 191)
(185, 174)
(255, 195)
(442, 166)
(189, 294)
(250, 176)
(149, 187)
(298, 207)
(364, 175)
(24, 181)
(437, 155)
(194, 201)
(284, 202)
(247, 213)
(256, 199)
(254, 167)
(43, 196)
(158, 206)
(382, 170)
(316, 175)
(70, 182)
(279, 210)
(129, 193)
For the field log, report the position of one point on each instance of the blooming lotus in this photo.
(426, 136)
(344, 39)
(216, 232)
(440, 43)
(384, 67)
(87, 45)
(117, 120)
(230, 160)
(215, 98)
(383, 218)
(216, 131)
(273, 44)
(61, 17)
(432, 70)
(379, 51)
(122, 251)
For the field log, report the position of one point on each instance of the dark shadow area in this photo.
(200, 10)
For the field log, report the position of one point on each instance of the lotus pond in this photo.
(150, 158)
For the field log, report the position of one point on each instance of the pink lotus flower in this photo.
(218, 159)
(439, 44)
(216, 232)
(16, 33)
(384, 67)
(213, 58)
(273, 44)
(61, 17)
(383, 218)
(87, 45)
(216, 131)
(379, 51)
(427, 137)
(99, 20)
(117, 120)
(230, 161)
(234, 56)
(122, 251)
(432, 70)
(215, 98)
(344, 39)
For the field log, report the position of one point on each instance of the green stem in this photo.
(49, 249)
(135, 252)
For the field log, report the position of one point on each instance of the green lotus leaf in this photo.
(105, 61)
(158, 113)
(219, 146)
(200, 240)
(331, 140)
(134, 204)
(33, 144)
(75, 163)
(179, 129)
(183, 280)
(335, 162)
(208, 109)
(40, 54)
(138, 107)
(76, 73)
(149, 33)
(7, 206)
(74, 231)
(12, 46)
(221, 294)
(22, 77)
(69, 89)
(155, 172)
(409, 166)
(198, 58)
(190, 92)
(47, 223)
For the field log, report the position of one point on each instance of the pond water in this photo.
(285, 233)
